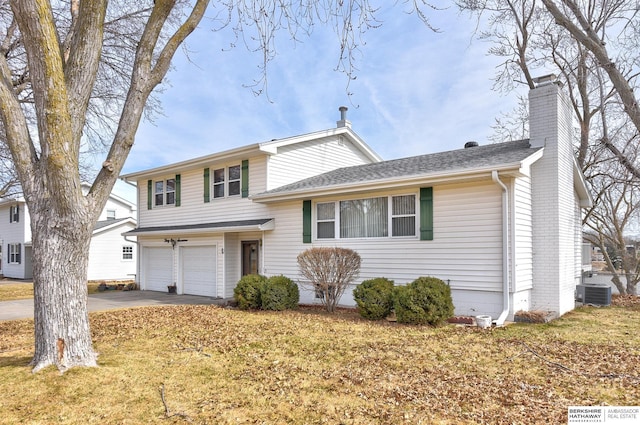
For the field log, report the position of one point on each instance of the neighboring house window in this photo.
(14, 214)
(165, 192)
(368, 218)
(326, 220)
(127, 252)
(111, 214)
(227, 181)
(14, 253)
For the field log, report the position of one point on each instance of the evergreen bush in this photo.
(426, 300)
(374, 298)
(247, 292)
(280, 293)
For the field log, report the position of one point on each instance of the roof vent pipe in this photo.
(470, 144)
(344, 122)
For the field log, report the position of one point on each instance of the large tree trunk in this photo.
(60, 261)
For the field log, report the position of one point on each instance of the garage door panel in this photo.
(198, 265)
(158, 268)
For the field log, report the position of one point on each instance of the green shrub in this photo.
(374, 298)
(247, 292)
(280, 293)
(426, 300)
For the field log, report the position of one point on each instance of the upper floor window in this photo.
(226, 180)
(165, 192)
(14, 214)
(111, 214)
(127, 252)
(367, 218)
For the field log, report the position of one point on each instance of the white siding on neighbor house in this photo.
(105, 255)
(121, 210)
(194, 210)
(12, 233)
(466, 251)
(303, 160)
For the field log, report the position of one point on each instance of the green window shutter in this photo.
(149, 194)
(207, 186)
(245, 178)
(177, 190)
(426, 213)
(306, 221)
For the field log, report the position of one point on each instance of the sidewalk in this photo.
(110, 300)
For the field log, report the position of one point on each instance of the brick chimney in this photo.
(555, 221)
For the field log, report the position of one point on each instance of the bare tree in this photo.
(329, 271)
(64, 62)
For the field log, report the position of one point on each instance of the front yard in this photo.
(206, 364)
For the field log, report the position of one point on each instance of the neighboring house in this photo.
(501, 223)
(112, 256)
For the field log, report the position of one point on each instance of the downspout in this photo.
(505, 249)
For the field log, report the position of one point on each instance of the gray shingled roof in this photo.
(104, 223)
(456, 161)
(183, 227)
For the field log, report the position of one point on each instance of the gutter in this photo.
(505, 249)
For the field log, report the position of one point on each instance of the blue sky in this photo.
(416, 91)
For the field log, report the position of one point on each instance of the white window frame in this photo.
(14, 250)
(14, 214)
(222, 183)
(127, 250)
(390, 217)
(164, 195)
(111, 214)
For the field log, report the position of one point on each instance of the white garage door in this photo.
(198, 265)
(158, 269)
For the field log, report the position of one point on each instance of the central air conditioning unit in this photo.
(595, 294)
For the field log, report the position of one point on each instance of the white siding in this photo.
(11, 233)
(121, 209)
(303, 160)
(105, 255)
(466, 251)
(194, 210)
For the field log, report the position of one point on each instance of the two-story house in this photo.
(112, 256)
(501, 223)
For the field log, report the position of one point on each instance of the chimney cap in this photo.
(545, 79)
(470, 144)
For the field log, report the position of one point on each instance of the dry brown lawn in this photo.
(211, 365)
(24, 290)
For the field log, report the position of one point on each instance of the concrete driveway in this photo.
(110, 300)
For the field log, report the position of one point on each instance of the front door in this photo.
(250, 256)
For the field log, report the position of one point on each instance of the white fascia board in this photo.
(238, 153)
(478, 174)
(117, 223)
(580, 186)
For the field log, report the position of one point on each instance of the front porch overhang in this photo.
(260, 224)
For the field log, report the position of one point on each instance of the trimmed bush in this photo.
(280, 293)
(426, 300)
(247, 292)
(374, 298)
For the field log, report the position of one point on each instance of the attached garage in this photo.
(198, 270)
(158, 271)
